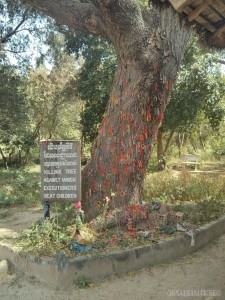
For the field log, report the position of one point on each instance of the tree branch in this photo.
(76, 14)
(124, 24)
(112, 19)
(15, 30)
(12, 51)
(125, 14)
(220, 61)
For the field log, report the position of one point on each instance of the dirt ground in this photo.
(205, 270)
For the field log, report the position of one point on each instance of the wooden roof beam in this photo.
(197, 11)
(213, 6)
(217, 5)
(219, 31)
(202, 21)
(180, 4)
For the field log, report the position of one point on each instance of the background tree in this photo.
(14, 112)
(94, 79)
(54, 109)
(197, 96)
(21, 26)
(42, 105)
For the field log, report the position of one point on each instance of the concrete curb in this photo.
(62, 272)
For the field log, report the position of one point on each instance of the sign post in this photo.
(60, 171)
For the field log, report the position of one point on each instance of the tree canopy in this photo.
(199, 88)
(94, 80)
(24, 33)
(13, 106)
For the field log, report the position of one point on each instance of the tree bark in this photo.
(149, 46)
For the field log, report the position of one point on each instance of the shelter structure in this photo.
(208, 15)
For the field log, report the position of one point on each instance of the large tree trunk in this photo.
(149, 44)
(122, 149)
(141, 90)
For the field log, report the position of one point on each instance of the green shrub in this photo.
(200, 197)
(203, 211)
(183, 186)
(45, 238)
(18, 187)
(82, 282)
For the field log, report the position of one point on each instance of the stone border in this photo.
(62, 272)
